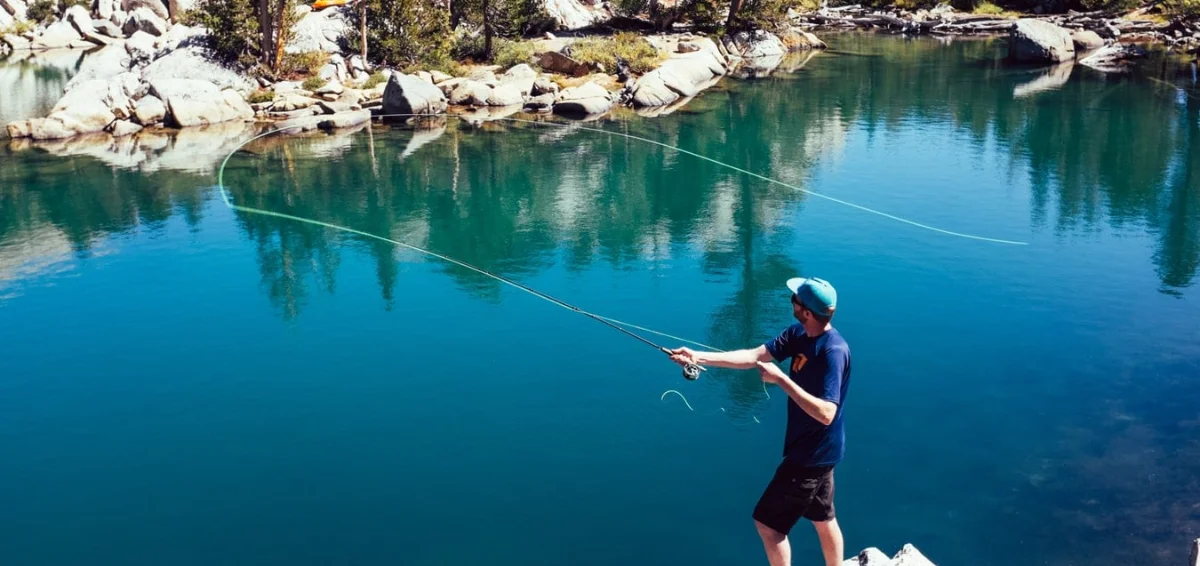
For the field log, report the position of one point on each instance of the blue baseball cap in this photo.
(815, 294)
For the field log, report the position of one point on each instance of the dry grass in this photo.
(629, 47)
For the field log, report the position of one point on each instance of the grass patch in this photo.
(628, 47)
(312, 83)
(374, 80)
(17, 28)
(1182, 8)
(304, 64)
(987, 8)
(259, 96)
(510, 53)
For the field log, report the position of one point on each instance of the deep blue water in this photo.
(183, 384)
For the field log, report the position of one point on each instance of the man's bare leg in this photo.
(779, 550)
(831, 541)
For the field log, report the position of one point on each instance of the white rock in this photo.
(140, 48)
(155, 6)
(439, 77)
(178, 7)
(319, 31)
(292, 101)
(869, 557)
(681, 76)
(1085, 40)
(149, 110)
(191, 63)
(356, 63)
(589, 99)
(757, 44)
(574, 14)
(146, 20)
(193, 102)
(470, 92)
(122, 128)
(104, 8)
(406, 94)
(178, 35)
(103, 64)
(81, 20)
(544, 85)
(506, 94)
(107, 28)
(344, 120)
(59, 34)
(6, 20)
(1039, 41)
(329, 72)
(910, 556)
(333, 87)
(447, 87)
(16, 8)
(81, 111)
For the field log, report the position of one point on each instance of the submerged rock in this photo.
(1037, 41)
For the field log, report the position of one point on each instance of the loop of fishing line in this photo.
(690, 371)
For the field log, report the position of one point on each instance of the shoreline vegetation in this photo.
(337, 64)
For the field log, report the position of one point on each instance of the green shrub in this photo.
(17, 28)
(313, 83)
(233, 29)
(1182, 8)
(374, 80)
(403, 32)
(259, 96)
(988, 8)
(303, 64)
(41, 11)
(637, 53)
(1109, 4)
(467, 46)
(510, 53)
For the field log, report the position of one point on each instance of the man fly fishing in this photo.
(816, 386)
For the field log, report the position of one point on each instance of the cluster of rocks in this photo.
(944, 20)
(141, 81)
(1039, 41)
(908, 556)
(78, 27)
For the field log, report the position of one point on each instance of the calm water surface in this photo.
(183, 384)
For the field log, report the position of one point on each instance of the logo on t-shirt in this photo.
(798, 362)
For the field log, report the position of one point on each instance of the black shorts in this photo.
(796, 491)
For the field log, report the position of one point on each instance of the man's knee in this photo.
(768, 534)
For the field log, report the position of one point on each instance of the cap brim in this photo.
(794, 283)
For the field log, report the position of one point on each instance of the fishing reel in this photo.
(691, 372)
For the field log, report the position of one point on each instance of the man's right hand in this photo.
(683, 356)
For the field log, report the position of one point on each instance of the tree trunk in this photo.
(264, 25)
(362, 31)
(734, 7)
(280, 35)
(487, 30)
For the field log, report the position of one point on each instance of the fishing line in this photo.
(691, 371)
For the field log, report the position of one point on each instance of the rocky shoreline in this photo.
(145, 70)
(1134, 27)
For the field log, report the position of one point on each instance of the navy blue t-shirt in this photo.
(820, 366)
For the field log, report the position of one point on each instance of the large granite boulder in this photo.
(60, 34)
(191, 63)
(681, 76)
(149, 110)
(83, 110)
(406, 94)
(322, 30)
(157, 7)
(145, 20)
(193, 102)
(1037, 41)
(102, 65)
(469, 92)
(587, 100)
(577, 14)
(750, 45)
(1086, 40)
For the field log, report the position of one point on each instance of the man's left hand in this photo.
(771, 373)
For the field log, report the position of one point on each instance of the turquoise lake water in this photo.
(183, 384)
